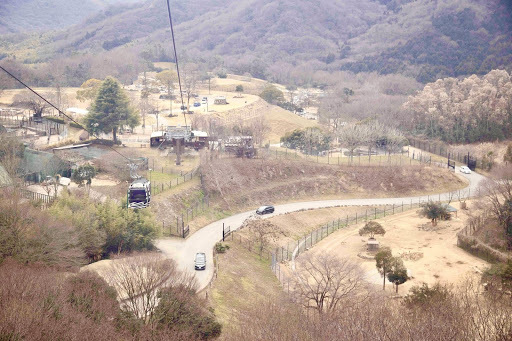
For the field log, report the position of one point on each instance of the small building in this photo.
(372, 244)
(240, 146)
(199, 139)
(221, 100)
(190, 138)
(157, 137)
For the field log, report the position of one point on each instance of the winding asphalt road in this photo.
(183, 251)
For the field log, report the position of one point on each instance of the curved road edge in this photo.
(204, 240)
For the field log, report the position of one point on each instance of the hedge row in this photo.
(473, 246)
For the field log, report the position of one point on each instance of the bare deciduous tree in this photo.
(350, 136)
(259, 127)
(395, 140)
(322, 282)
(189, 76)
(331, 108)
(32, 102)
(264, 232)
(138, 279)
(498, 195)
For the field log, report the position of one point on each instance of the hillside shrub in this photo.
(180, 309)
(105, 228)
(435, 211)
(30, 235)
(221, 248)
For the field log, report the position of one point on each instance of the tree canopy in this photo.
(372, 228)
(88, 90)
(397, 272)
(435, 211)
(111, 109)
(272, 94)
(473, 109)
(383, 260)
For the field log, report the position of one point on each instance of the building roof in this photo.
(79, 111)
(450, 208)
(198, 133)
(35, 161)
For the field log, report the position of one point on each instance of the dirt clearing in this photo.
(430, 255)
(296, 225)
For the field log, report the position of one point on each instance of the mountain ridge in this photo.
(284, 40)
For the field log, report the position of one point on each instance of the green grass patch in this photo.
(161, 177)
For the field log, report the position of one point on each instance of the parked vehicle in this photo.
(197, 104)
(200, 261)
(265, 210)
(465, 170)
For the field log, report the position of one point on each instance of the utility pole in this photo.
(178, 152)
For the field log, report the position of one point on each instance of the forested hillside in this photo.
(31, 15)
(470, 110)
(432, 40)
(289, 41)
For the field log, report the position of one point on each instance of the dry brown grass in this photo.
(243, 182)
(279, 121)
(243, 280)
(297, 224)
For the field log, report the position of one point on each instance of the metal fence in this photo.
(444, 150)
(159, 187)
(178, 227)
(34, 196)
(293, 249)
(334, 158)
(468, 242)
(44, 199)
(46, 126)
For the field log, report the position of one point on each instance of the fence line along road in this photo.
(204, 240)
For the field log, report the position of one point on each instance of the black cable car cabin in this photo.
(139, 194)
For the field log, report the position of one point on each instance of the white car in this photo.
(465, 170)
(200, 261)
